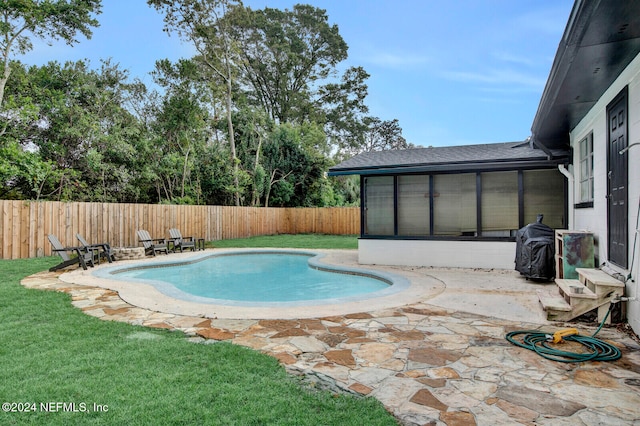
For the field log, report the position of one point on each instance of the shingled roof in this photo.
(495, 156)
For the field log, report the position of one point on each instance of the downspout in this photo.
(562, 169)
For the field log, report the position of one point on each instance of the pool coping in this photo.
(144, 295)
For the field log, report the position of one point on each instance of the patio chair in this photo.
(101, 250)
(179, 242)
(82, 257)
(152, 245)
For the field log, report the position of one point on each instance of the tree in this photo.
(24, 174)
(215, 176)
(289, 66)
(286, 56)
(383, 135)
(44, 19)
(344, 110)
(293, 171)
(181, 125)
(200, 22)
(253, 127)
(80, 130)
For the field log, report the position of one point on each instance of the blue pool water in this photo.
(255, 277)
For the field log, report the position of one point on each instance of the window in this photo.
(454, 204)
(544, 194)
(586, 169)
(413, 205)
(378, 205)
(499, 203)
(482, 204)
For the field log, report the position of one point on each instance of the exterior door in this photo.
(617, 212)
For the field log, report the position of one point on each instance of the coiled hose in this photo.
(538, 341)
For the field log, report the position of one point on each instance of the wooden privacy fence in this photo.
(26, 224)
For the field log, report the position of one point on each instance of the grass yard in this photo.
(310, 241)
(53, 354)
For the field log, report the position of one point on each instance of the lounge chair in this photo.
(102, 250)
(83, 257)
(179, 242)
(152, 245)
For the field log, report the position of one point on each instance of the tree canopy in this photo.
(44, 19)
(255, 118)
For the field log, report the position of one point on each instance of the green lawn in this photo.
(310, 241)
(51, 352)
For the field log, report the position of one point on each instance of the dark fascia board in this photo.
(567, 50)
(493, 166)
(601, 38)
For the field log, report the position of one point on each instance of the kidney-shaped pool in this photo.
(259, 278)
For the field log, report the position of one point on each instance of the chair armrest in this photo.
(68, 249)
(103, 246)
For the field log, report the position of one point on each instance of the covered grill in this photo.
(535, 251)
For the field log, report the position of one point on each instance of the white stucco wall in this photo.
(455, 254)
(595, 219)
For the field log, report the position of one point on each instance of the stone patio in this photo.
(427, 364)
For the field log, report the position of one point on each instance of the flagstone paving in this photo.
(426, 364)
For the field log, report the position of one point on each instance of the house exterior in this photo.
(455, 206)
(460, 206)
(591, 103)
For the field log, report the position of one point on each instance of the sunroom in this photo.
(455, 206)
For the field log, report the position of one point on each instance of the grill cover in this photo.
(535, 251)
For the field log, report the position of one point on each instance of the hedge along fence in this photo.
(26, 224)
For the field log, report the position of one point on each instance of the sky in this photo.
(452, 72)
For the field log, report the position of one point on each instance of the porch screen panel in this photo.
(499, 203)
(413, 205)
(544, 193)
(454, 205)
(378, 205)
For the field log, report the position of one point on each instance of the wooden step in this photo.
(557, 309)
(574, 289)
(565, 305)
(554, 305)
(553, 301)
(597, 277)
(604, 286)
(580, 303)
(594, 289)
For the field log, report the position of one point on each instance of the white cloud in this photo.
(499, 77)
(514, 59)
(396, 61)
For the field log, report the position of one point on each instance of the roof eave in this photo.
(495, 165)
(567, 49)
(601, 38)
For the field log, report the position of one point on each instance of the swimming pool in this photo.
(259, 278)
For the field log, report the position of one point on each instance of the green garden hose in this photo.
(539, 342)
